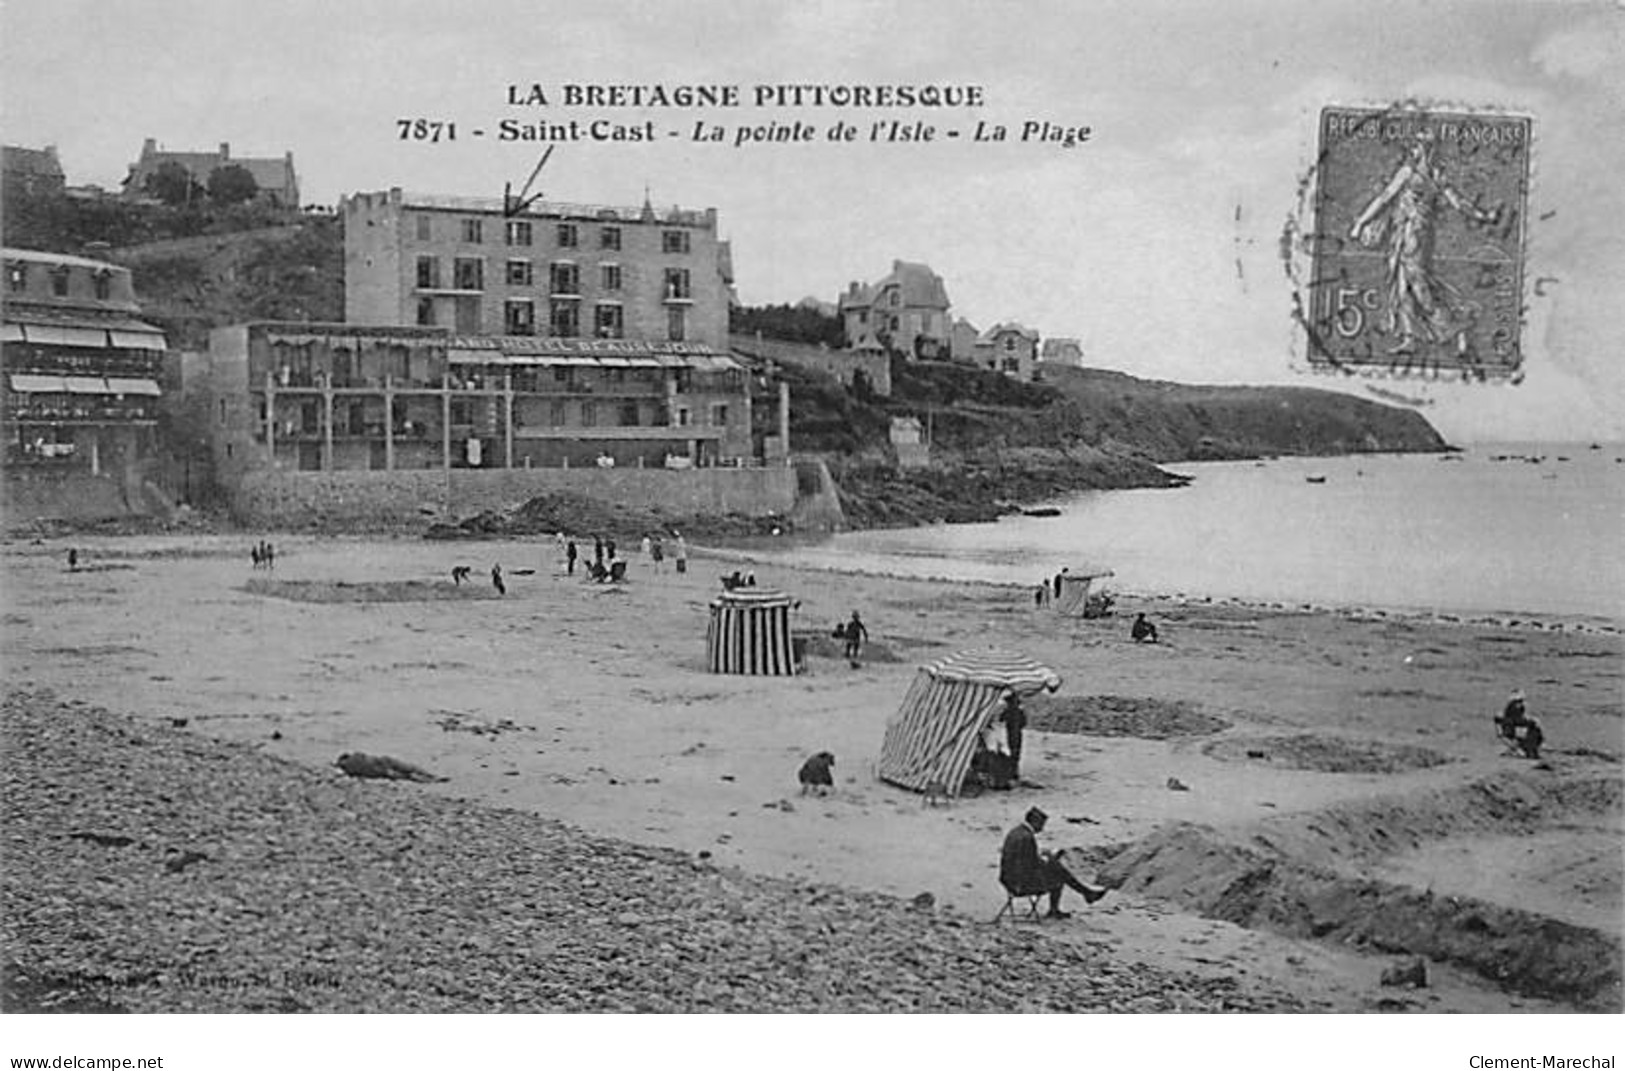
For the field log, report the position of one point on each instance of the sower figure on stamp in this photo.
(1421, 306)
(1024, 871)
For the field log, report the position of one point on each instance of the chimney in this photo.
(149, 146)
(225, 150)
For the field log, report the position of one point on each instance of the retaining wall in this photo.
(293, 499)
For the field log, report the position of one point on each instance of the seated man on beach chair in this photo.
(1519, 733)
(617, 571)
(1024, 871)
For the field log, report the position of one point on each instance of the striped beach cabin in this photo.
(933, 736)
(750, 633)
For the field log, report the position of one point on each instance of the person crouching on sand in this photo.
(1143, 631)
(1024, 871)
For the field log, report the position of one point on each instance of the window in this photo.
(425, 312)
(863, 316)
(59, 282)
(569, 237)
(894, 323)
(519, 317)
(518, 232)
(424, 231)
(429, 273)
(102, 281)
(1009, 344)
(607, 322)
(469, 272)
(473, 231)
(566, 319)
(682, 418)
(674, 241)
(896, 298)
(519, 273)
(629, 414)
(719, 416)
(609, 238)
(677, 284)
(589, 415)
(564, 278)
(562, 374)
(16, 277)
(556, 411)
(609, 276)
(676, 320)
(222, 410)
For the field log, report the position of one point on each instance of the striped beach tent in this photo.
(749, 633)
(933, 735)
(1074, 598)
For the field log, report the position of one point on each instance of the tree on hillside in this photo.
(172, 184)
(231, 185)
(788, 323)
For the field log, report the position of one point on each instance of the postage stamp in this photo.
(1418, 242)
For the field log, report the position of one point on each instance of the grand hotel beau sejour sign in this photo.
(1418, 245)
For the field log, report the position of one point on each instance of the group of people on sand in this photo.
(1518, 730)
(263, 555)
(606, 555)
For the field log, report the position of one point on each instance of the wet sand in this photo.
(590, 704)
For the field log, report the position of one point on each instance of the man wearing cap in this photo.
(1024, 871)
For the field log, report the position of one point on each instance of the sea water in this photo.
(1522, 528)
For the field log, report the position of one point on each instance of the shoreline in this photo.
(1538, 621)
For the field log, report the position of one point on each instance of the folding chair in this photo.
(1009, 908)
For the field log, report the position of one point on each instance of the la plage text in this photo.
(1518, 1063)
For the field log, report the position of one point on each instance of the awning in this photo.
(86, 336)
(11, 332)
(45, 335)
(133, 386)
(27, 384)
(138, 340)
(86, 385)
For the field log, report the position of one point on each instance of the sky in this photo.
(1156, 242)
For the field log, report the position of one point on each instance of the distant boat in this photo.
(1042, 511)
(1314, 479)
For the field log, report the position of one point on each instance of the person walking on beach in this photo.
(1024, 871)
(496, 580)
(657, 551)
(646, 546)
(73, 558)
(682, 553)
(598, 551)
(570, 556)
(609, 550)
(856, 633)
(270, 555)
(1060, 576)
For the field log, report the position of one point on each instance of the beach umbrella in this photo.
(933, 736)
(749, 632)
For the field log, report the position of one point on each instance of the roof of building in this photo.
(1004, 329)
(18, 158)
(64, 259)
(270, 172)
(674, 216)
(919, 286)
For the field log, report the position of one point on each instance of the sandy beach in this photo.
(1345, 804)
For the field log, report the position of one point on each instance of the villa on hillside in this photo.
(31, 171)
(1009, 348)
(1061, 351)
(274, 176)
(906, 312)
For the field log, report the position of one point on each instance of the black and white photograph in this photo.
(859, 513)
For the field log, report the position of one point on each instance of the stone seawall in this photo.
(366, 498)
